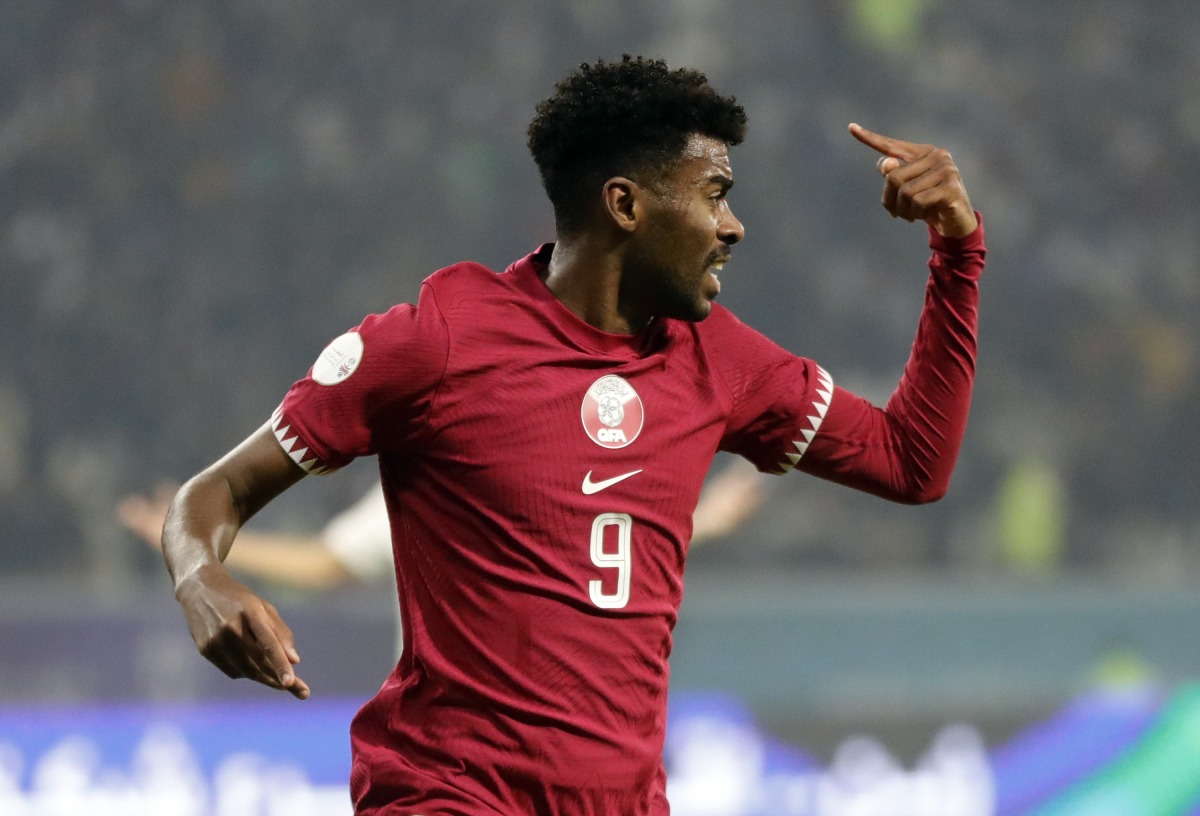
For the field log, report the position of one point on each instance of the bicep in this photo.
(876, 450)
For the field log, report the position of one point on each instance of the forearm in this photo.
(200, 526)
(907, 450)
(232, 627)
(928, 411)
(208, 511)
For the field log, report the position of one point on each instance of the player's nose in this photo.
(730, 230)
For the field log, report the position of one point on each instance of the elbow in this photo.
(929, 496)
(927, 493)
(926, 476)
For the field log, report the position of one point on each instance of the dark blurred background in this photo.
(195, 198)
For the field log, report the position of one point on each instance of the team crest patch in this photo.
(339, 359)
(612, 412)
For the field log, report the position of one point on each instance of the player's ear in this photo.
(624, 203)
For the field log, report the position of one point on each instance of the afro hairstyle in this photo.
(630, 118)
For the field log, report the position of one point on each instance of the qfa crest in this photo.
(612, 412)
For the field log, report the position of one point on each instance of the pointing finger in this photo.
(896, 148)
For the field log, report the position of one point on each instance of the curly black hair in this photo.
(630, 118)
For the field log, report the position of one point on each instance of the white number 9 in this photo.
(619, 560)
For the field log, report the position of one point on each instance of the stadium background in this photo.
(194, 199)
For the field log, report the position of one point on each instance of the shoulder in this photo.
(722, 326)
(463, 273)
(464, 281)
(715, 340)
(719, 345)
(741, 355)
(720, 319)
(440, 293)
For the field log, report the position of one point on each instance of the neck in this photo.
(587, 275)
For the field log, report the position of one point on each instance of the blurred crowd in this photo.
(195, 198)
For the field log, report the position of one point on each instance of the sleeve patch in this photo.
(339, 359)
(815, 416)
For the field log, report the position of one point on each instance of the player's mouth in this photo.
(714, 272)
(714, 266)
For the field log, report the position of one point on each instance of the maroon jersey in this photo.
(540, 478)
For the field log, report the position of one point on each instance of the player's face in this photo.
(689, 232)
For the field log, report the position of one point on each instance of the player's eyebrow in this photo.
(721, 180)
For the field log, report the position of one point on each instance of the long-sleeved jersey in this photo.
(540, 478)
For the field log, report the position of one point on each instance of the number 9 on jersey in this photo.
(620, 560)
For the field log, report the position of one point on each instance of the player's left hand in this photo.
(921, 183)
(239, 632)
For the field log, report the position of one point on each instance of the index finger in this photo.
(896, 148)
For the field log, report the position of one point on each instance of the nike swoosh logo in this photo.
(590, 487)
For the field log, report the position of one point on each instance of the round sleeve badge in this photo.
(339, 359)
(612, 412)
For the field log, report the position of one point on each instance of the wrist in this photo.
(196, 577)
(954, 244)
(957, 224)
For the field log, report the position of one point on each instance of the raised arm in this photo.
(907, 450)
(239, 632)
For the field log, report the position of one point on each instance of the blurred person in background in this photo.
(356, 544)
(540, 563)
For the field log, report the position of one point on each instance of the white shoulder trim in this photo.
(312, 466)
(816, 415)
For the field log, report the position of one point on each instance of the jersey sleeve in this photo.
(779, 400)
(368, 390)
(791, 412)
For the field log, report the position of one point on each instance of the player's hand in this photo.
(239, 632)
(921, 183)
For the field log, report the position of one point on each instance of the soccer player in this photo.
(542, 435)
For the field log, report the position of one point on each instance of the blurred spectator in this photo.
(356, 544)
(194, 198)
